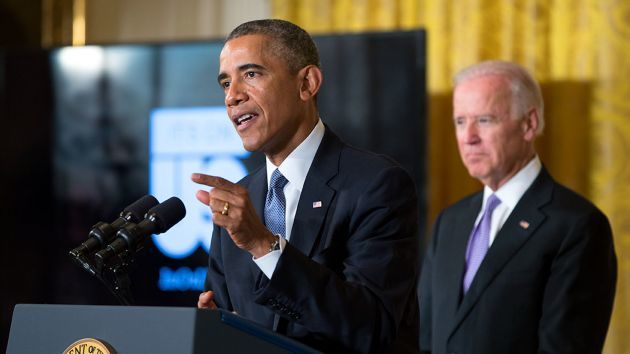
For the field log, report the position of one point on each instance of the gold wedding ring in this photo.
(226, 209)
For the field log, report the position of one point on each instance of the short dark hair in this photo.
(289, 41)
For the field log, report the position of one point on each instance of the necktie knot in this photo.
(277, 180)
(492, 202)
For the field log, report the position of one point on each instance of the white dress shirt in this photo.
(294, 168)
(509, 194)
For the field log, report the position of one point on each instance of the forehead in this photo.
(487, 91)
(248, 49)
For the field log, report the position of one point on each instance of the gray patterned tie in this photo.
(275, 204)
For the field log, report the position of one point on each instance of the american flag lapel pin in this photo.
(524, 224)
(317, 204)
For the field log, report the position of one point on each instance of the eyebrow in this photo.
(223, 75)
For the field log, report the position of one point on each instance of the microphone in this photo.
(157, 220)
(102, 233)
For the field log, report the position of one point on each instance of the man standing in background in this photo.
(526, 265)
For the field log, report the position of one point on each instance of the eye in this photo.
(224, 84)
(485, 120)
(251, 74)
(459, 121)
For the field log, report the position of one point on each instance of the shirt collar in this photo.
(512, 191)
(295, 167)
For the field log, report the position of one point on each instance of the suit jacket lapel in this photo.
(258, 192)
(455, 267)
(316, 195)
(520, 225)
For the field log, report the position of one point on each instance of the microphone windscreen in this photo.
(167, 214)
(138, 209)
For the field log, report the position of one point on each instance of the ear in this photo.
(310, 82)
(530, 124)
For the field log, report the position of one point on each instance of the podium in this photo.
(136, 329)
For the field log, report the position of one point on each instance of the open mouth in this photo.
(244, 118)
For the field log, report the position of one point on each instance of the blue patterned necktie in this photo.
(479, 241)
(275, 204)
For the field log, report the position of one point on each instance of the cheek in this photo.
(504, 145)
(270, 103)
(462, 146)
(460, 138)
(492, 147)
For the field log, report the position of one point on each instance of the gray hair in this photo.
(525, 90)
(288, 41)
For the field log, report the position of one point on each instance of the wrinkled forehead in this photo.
(496, 82)
(489, 92)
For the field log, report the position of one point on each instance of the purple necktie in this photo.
(479, 241)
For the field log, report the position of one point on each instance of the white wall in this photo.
(124, 21)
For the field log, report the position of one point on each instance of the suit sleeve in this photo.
(361, 304)
(579, 294)
(215, 278)
(425, 290)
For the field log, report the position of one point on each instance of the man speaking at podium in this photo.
(321, 243)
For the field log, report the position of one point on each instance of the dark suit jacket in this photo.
(346, 281)
(546, 284)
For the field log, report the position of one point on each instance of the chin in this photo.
(249, 149)
(476, 173)
(250, 146)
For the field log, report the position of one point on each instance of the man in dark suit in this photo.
(526, 265)
(321, 243)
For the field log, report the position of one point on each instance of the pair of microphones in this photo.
(139, 220)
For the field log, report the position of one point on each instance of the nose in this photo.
(235, 94)
(468, 132)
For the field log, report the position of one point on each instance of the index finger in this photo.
(206, 300)
(212, 181)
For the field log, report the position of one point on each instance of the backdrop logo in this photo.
(184, 141)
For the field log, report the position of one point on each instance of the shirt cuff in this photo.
(268, 262)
